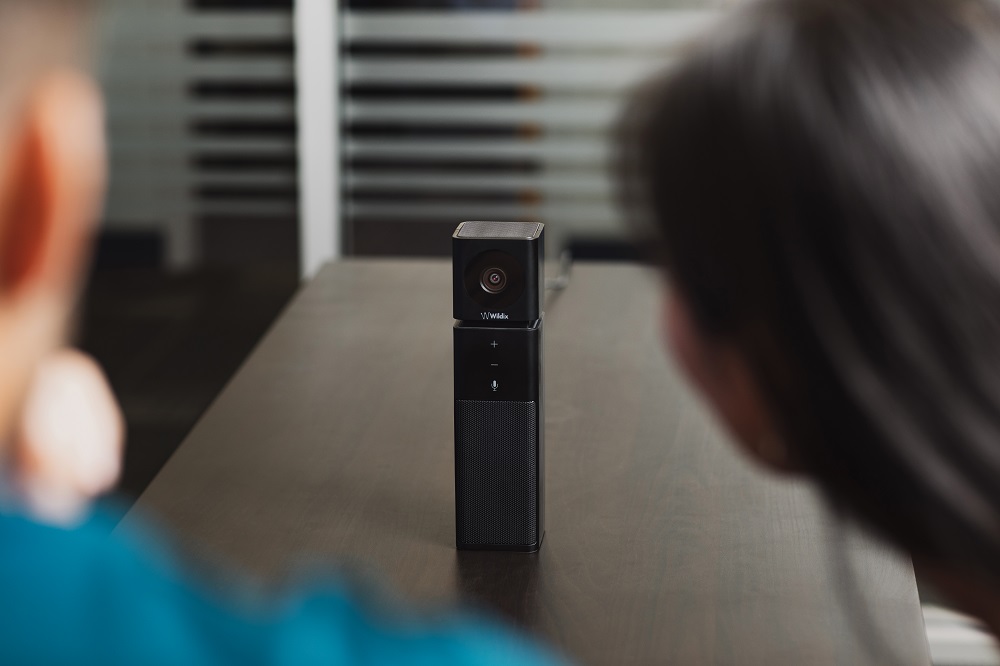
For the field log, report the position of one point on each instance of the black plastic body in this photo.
(499, 410)
(502, 365)
(522, 303)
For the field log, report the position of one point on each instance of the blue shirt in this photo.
(81, 596)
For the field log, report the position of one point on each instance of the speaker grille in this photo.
(526, 230)
(496, 473)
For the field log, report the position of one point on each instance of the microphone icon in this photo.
(495, 385)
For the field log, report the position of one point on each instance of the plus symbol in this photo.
(494, 344)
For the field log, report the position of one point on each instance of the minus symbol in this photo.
(495, 365)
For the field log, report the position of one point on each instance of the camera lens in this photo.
(493, 280)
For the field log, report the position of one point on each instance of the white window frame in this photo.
(318, 110)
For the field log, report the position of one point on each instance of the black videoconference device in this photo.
(499, 287)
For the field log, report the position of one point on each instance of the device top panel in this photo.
(525, 230)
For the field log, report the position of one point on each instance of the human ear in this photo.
(52, 186)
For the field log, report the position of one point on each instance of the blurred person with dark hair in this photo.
(73, 594)
(821, 181)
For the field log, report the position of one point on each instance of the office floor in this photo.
(170, 343)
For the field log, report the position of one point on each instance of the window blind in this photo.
(201, 121)
(491, 110)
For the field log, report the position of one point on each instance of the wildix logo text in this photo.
(494, 315)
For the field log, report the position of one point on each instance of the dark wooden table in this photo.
(334, 443)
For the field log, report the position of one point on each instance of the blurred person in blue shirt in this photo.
(69, 592)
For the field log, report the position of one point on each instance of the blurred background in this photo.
(198, 247)
(445, 110)
(226, 192)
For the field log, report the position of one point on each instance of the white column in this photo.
(317, 75)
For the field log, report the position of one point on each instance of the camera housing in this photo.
(499, 397)
(498, 271)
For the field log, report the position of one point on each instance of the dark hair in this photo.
(822, 180)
